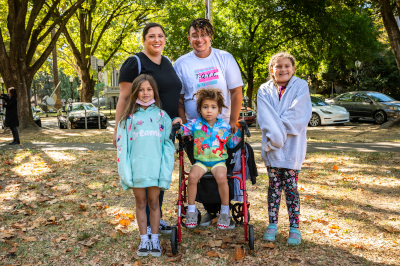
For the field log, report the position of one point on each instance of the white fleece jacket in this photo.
(284, 123)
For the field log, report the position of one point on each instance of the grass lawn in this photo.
(68, 208)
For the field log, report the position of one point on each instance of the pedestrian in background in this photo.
(12, 115)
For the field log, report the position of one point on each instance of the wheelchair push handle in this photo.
(242, 124)
(175, 128)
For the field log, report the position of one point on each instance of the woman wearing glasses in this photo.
(208, 67)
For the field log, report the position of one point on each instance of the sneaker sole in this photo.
(142, 254)
(224, 227)
(156, 254)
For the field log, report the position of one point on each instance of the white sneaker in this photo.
(165, 227)
(144, 248)
(156, 249)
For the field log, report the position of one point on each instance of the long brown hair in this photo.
(273, 61)
(132, 106)
(209, 94)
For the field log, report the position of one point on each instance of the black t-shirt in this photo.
(169, 84)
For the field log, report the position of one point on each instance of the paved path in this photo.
(311, 146)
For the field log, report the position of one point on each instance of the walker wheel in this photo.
(183, 218)
(174, 240)
(251, 237)
(238, 214)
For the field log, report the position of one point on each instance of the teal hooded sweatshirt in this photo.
(145, 154)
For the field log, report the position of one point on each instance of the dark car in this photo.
(249, 115)
(76, 116)
(368, 104)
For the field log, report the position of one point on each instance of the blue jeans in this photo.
(160, 198)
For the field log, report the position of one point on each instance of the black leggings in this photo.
(15, 134)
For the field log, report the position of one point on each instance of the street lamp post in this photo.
(71, 79)
(358, 65)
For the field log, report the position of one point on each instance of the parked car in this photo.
(325, 114)
(76, 116)
(369, 104)
(249, 115)
(36, 118)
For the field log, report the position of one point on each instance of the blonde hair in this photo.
(209, 94)
(273, 61)
(132, 106)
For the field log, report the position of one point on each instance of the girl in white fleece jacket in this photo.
(284, 110)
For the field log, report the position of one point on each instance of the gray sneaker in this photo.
(225, 221)
(144, 248)
(207, 219)
(191, 219)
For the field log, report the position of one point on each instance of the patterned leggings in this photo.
(282, 178)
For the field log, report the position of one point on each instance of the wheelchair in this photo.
(240, 210)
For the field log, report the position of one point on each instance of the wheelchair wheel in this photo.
(183, 219)
(238, 214)
(174, 240)
(251, 237)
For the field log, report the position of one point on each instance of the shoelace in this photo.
(164, 223)
(144, 244)
(156, 245)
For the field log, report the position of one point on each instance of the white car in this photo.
(325, 114)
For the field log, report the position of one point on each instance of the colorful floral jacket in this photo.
(210, 142)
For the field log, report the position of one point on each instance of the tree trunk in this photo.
(55, 73)
(87, 85)
(390, 123)
(391, 27)
(250, 88)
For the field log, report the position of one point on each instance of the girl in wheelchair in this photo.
(211, 139)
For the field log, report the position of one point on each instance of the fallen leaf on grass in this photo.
(6, 234)
(212, 254)
(391, 229)
(335, 167)
(215, 220)
(205, 232)
(307, 197)
(201, 245)
(197, 231)
(124, 222)
(268, 245)
(67, 250)
(214, 243)
(61, 238)
(174, 259)
(227, 239)
(239, 254)
(137, 263)
(30, 239)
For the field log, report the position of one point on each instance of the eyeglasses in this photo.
(197, 37)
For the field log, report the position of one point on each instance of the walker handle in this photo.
(175, 128)
(245, 128)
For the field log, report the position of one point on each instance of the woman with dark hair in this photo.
(150, 61)
(12, 115)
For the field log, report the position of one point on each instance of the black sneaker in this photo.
(165, 227)
(156, 249)
(144, 248)
(207, 219)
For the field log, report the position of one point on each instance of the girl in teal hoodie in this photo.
(145, 156)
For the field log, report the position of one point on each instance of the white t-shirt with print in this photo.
(218, 70)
